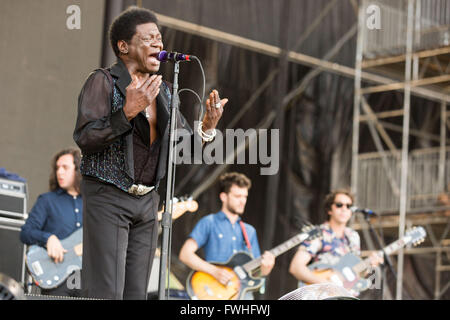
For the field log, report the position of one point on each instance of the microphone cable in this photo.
(202, 111)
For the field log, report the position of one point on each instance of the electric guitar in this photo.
(48, 275)
(349, 270)
(203, 286)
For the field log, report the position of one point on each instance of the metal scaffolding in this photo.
(410, 45)
(409, 55)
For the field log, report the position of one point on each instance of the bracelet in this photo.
(205, 136)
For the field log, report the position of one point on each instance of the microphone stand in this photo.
(386, 258)
(166, 221)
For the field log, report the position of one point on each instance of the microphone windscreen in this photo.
(162, 56)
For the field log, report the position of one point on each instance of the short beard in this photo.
(232, 210)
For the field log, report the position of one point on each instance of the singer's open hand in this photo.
(140, 94)
(213, 114)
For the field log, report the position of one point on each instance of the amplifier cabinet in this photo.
(12, 250)
(13, 199)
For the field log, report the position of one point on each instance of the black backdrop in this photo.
(315, 128)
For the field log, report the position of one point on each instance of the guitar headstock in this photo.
(188, 205)
(415, 235)
(312, 232)
(180, 207)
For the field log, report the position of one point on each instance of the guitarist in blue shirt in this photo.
(221, 234)
(57, 213)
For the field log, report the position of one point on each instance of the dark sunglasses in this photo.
(340, 205)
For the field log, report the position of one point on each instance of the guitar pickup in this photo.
(37, 268)
(348, 274)
(240, 273)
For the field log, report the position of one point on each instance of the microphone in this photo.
(165, 56)
(363, 210)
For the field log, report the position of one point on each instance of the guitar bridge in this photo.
(37, 268)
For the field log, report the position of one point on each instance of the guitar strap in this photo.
(244, 232)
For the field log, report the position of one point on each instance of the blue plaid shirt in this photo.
(220, 239)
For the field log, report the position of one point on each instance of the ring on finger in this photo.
(218, 105)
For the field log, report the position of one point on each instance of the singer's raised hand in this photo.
(213, 110)
(140, 94)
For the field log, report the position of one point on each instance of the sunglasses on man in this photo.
(340, 205)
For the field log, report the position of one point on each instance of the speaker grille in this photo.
(12, 250)
(13, 199)
(12, 204)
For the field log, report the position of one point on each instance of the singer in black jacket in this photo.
(122, 129)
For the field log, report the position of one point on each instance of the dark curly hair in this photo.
(53, 181)
(330, 198)
(227, 180)
(124, 26)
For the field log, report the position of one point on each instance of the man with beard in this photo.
(223, 234)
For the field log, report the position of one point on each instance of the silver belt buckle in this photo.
(140, 189)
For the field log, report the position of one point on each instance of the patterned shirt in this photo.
(331, 248)
(220, 239)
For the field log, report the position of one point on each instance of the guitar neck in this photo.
(179, 208)
(280, 249)
(390, 249)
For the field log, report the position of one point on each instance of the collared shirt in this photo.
(220, 239)
(331, 248)
(55, 212)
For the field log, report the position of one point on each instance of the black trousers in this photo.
(120, 233)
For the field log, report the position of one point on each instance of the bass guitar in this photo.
(350, 270)
(48, 275)
(203, 286)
